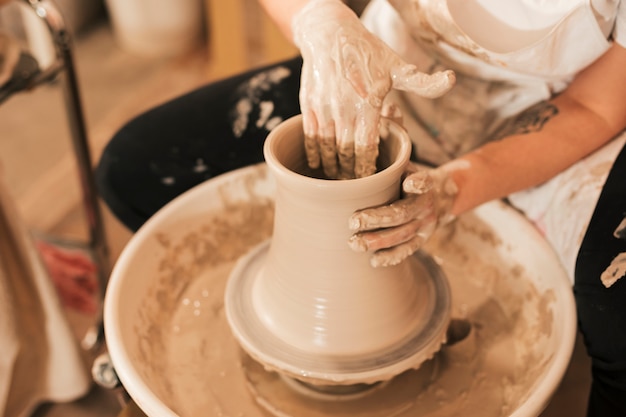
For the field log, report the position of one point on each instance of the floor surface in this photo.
(37, 161)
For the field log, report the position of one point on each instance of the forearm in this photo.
(568, 128)
(521, 161)
(282, 13)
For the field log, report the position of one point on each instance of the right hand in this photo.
(346, 75)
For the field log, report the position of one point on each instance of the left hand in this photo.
(395, 231)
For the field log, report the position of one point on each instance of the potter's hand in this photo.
(346, 75)
(395, 231)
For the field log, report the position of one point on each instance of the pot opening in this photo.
(289, 151)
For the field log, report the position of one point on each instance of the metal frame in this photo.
(64, 66)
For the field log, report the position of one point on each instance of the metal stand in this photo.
(30, 78)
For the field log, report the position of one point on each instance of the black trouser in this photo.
(602, 311)
(177, 145)
(184, 142)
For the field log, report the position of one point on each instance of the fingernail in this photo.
(354, 223)
(385, 259)
(410, 186)
(417, 183)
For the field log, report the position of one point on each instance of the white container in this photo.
(157, 28)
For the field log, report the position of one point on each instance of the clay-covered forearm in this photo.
(282, 13)
(534, 150)
(524, 160)
(547, 138)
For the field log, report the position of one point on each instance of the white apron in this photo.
(498, 77)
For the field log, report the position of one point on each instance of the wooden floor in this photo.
(39, 165)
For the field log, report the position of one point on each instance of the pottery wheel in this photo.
(423, 342)
(173, 349)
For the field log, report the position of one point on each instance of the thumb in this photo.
(407, 77)
(419, 182)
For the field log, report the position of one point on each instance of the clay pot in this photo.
(314, 292)
(307, 303)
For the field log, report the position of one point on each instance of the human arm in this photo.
(544, 140)
(346, 75)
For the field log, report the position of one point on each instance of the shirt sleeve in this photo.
(619, 33)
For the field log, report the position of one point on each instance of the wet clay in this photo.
(191, 361)
(307, 305)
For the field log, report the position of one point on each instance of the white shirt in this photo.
(549, 40)
(508, 55)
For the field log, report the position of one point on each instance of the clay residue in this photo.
(615, 271)
(193, 364)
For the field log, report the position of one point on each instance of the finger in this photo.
(385, 238)
(407, 77)
(325, 138)
(391, 215)
(345, 148)
(309, 122)
(366, 142)
(328, 150)
(395, 255)
(311, 139)
(328, 153)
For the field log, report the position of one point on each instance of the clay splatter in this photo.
(251, 93)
